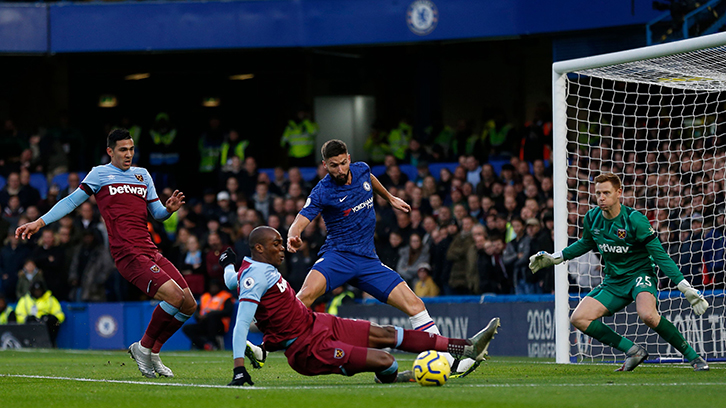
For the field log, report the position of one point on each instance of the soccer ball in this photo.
(431, 368)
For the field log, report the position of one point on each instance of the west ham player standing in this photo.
(629, 247)
(345, 199)
(320, 343)
(125, 195)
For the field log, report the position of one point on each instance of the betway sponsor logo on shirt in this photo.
(127, 189)
(365, 204)
(615, 249)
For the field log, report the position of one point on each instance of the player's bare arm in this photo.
(395, 202)
(27, 230)
(294, 242)
(175, 202)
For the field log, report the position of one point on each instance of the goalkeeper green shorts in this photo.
(616, 295)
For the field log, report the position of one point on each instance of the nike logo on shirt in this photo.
(343, 199)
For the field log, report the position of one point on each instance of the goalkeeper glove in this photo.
(694, 297)
(544, 259)
(228, 257)
(241, 377)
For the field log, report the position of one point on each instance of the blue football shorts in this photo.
(367, 274)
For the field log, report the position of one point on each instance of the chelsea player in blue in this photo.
(344, 197)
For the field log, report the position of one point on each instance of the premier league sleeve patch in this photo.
(248, 283)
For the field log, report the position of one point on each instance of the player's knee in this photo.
(189, 306)
(382, 336)
(580, 322)
(650, 319)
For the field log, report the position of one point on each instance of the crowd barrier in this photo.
(528, 324)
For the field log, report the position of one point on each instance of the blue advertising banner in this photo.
(106, 323)
(191, 25)
(528, 328)
(24, 28)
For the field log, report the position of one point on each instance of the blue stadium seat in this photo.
(39, 181)
(2, 182)
(61, 179)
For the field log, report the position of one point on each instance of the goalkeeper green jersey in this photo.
(627, 243)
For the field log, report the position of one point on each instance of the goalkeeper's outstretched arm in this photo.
(669, 267)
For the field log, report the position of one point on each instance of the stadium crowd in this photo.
(474, 222)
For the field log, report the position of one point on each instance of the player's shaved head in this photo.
(262, 234)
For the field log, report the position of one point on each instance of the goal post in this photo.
(649, 115)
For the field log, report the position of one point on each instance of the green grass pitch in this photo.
(97, 379)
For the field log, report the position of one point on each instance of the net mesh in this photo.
(660, 124)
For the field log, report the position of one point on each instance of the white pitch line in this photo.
(318, 387)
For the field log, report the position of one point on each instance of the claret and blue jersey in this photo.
(347, 211)
(124, 198)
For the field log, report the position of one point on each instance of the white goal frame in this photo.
(560, 71)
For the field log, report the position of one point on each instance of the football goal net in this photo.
(655, 116)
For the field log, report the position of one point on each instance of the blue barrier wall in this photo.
(528, 324)
(147, 26)
(115, 326)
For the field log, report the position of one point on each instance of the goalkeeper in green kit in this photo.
(629, 248)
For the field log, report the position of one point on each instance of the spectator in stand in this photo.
(419, 202)
(50, 258)
(462, 254)
(262, 200)
(493, 276)
(11, 188)
(473, 170)
(212, 318)
(248, 176)
(416, 153)
(411, 257)
(86, 219)
(389, 252)
(299, 264)
(13, 212)
(232, 188)
(428, 187)
(90, 268)
(27, 276)
(226, 214)
(40, 306)
(28, 195)
(74, 181)
(393, 177)
(425, 285)
(191, 264)
(215, 247)
(242, 245)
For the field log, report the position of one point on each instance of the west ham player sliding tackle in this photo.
(345, 199)
(629, 248)
(125, 195)
(319, 343)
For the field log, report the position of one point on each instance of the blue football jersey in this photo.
(347, 211)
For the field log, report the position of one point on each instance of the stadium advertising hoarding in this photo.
(528, 328)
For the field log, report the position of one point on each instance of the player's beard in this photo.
(343, 179)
